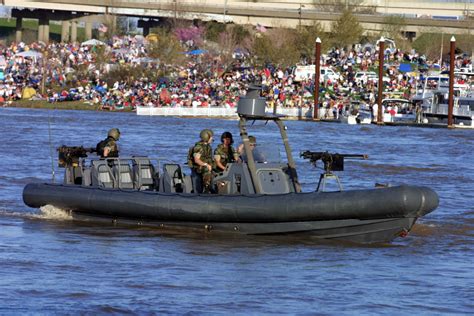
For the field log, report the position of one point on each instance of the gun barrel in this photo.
(316, 155)
(354, 156)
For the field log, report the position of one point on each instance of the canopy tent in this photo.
(146, 60)
(30, 53)
(405, 67)
(28, 92)
(92, 42)
(196, 52)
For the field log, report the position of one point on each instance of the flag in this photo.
(261, 28)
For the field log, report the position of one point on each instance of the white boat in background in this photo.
(358, 113)
(398, 110)
(434, 102)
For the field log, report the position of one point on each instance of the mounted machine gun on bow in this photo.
(70, 158)
(332, 162)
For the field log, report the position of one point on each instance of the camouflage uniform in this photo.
(205, 150)
(110, 143)
(227, 155)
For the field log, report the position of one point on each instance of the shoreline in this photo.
(66, 105)
(85, 106)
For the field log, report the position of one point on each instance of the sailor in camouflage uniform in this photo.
(108, 147)
(225, 153)
(202, 160)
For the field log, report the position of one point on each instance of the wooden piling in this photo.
(317, 72)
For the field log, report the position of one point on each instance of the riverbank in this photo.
(66, 105)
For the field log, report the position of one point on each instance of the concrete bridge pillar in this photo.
(74, 31)
(146, 25)
(40, 32)
(19, 31)
(146, 29)
(88, 30)
(43, 30)
(65, 31)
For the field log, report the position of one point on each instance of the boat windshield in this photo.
(434, 83)
(265, 153)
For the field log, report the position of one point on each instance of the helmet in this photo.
(252, 140)
(227, 135)
(114, 133)
(206, 134)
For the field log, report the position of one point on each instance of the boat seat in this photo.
(86, 177)
(172, 180)
(101, 174)
(123, 174)
(144, 174)
(73, 175)
(188, 184)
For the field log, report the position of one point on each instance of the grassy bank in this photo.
(68, 105)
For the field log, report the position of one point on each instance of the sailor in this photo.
(257, 155)
(108, 147)
(202, 162)
(225, 153)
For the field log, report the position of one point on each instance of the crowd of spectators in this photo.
(198, 83)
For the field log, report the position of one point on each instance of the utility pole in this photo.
(299, 13)
(317, 70)
(175, 2)
(225, 11)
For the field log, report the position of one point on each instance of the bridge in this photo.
(420, 16)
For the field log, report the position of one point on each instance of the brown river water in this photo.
(53, 265)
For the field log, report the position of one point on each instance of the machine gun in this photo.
(68, 156)
(332, 162)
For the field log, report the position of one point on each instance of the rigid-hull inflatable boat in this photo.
(253, 197)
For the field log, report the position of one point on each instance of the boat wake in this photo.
(47, 212)
(54, 213)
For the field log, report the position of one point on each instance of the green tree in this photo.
(346, 30)
(213, 29)
(306, 37)
(393, 27)
(429, 44)
(277, 46)
(167, 48)
(239, 32)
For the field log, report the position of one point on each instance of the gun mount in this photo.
(68, 156)
(331, 162)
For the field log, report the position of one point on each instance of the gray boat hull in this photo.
(373, 215)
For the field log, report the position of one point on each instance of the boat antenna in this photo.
(51, 149)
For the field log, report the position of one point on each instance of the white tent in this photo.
(3, 62)
(120, 50)
(30, 53)
(92, 42)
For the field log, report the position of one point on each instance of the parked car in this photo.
(366, 76)
(305, 72)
